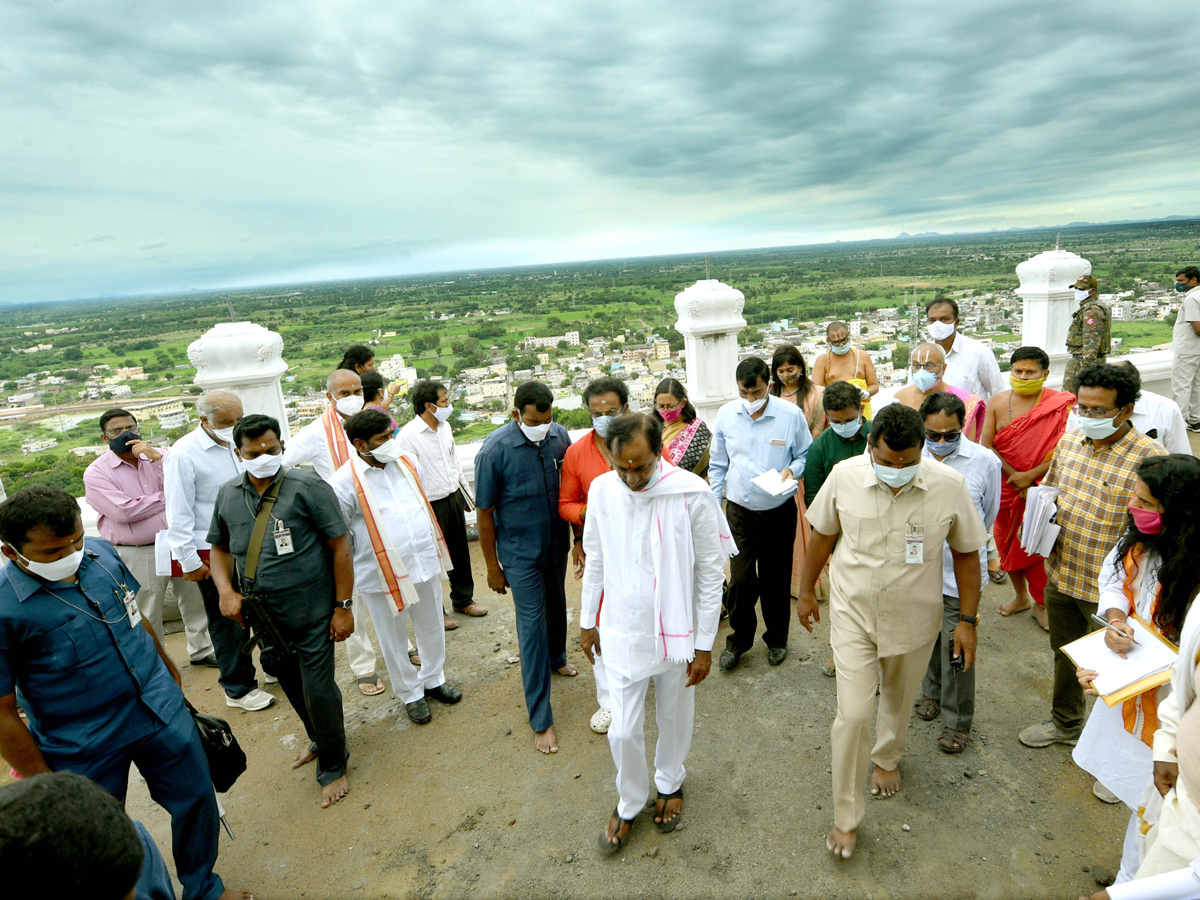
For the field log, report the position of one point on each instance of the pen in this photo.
(1107, 624)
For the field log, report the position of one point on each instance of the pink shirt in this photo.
(129, 499)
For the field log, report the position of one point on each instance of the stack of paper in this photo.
(1147, 663)
(1040, 530)
(772, 482)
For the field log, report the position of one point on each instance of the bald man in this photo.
(927, 370)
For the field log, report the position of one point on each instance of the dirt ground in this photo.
(466, 806)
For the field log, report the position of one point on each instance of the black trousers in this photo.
(451, 516)
(237, 668)
(308, 681)
(761, 572)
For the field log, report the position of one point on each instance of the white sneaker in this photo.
(252, 702)
(269, 679)
(1103, 793)
(601, 719)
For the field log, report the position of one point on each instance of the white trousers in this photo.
(359, 650)
(1185, 385)
(153, 592)
(1131, 852)
(391, 629)
(600, 675)
(675, 711)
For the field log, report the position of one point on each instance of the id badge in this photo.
(914, 546)
(283, 539)
(129, 598)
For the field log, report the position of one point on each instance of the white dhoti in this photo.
(675, 712)
(600, 675)
(359, 650)
(391, 630)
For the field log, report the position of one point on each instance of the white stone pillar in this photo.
(244, 358)
(710, 317)
(1049, 302)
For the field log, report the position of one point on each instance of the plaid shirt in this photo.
(1095, 485)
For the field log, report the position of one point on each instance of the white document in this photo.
(162, 554)
(1150, 658)
(1039, 530)
(772, 482)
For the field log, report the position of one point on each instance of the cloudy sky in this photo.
(156, 145)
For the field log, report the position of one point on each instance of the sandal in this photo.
(370, 685)
(609, 849)
(667, 827)
(953, 741)
(414, 658)
(927, 708)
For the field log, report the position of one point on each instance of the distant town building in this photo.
(39, 445)
(533, 343)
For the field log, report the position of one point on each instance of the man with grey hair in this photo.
(927, 371)
(322, 444)
(193, 472)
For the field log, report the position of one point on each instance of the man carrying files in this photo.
(1094, 469)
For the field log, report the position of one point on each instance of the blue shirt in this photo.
(518, 480)
(982, 470)
(743, 448)
(87, 685)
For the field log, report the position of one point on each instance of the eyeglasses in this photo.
(928, 367)
(113, 434)
(1092, 413)
(842, 343)
(943, 435)
(662, 408)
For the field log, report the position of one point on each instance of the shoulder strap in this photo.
(260, 528)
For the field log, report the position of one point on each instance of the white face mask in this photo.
(265, 465)
(348, 406)
(1082, 295)
(847, 430)
(895, 478)
(59, 570)
(223, 434)
(753, 406)
(442, 413)
(939, 331)
(535, 433)
(388, 451)
(1098, 429)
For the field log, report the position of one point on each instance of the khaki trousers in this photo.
(860, 670)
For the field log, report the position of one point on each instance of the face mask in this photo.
(655, 477)
(753, 406)
(388, 451)
(895, 478)
(348, 406)
(535, 433)
(59, 570)
(120, 444)
(670, 415)
(839, 350)
(1098, 429)
(1083, 295)
(939, 331)
(942, 448)
(223, 434)
(442, 413)
(1028, 387)
(847, 429)
(601, 423)
(924, 380)
(265, 465)
(1145, 521)
(1182, 288)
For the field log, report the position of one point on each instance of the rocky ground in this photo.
(465, 806)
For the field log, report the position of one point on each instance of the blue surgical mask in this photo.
(847, 430)
(942, 448)
(601, 423)
(1098, 429)
(924, 380)
(895, 478)
(840, 350)
(1181, 287)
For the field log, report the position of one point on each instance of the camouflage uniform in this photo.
(1089, 338)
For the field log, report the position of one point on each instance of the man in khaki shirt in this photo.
(889, 514)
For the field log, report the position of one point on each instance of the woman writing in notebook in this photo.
(1152, 573)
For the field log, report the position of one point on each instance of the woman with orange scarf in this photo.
(1150, 572)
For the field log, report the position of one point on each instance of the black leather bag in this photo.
(226, 759)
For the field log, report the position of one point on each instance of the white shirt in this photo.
(193, 472)
(617, 530)
(399, 511)
(1157, 417)
(309, 445)
(983, 472)
(972, 367)
(441, 473)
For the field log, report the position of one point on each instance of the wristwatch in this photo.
(344, 604)
(970, 620)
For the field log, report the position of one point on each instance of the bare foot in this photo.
(667, 810)
(1039, 613)
(1014, 606)
(616, 830)
(546, 741)
(304, 756)
(231, 894)
(885, 783)
(569, 670)
(332, 793)
(841, 843)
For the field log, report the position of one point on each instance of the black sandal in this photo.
(668, 827)
(607, 848)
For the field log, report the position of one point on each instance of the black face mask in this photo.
(120, 444)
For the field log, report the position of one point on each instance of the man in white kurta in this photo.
(400, 512)
(653, 539)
